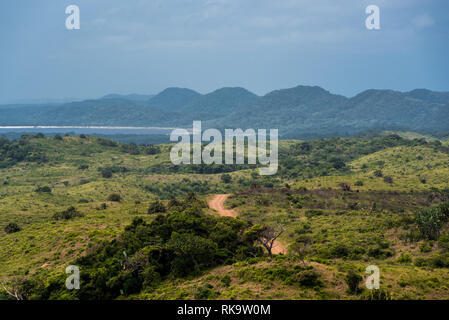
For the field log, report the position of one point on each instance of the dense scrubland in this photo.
(139, 227)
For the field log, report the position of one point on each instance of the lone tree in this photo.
(301, 247)
(12, 228)
(14, 288)
(267, 236)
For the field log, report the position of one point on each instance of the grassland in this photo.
(357, 211)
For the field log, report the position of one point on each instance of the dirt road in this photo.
(217, 203)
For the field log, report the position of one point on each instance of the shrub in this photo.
(379, 253)
(339, 250)
(107, 143)
(68, 214)
(376, 294)
(426, 246)
(226, 178)
(226, 280)
(156, 207)
(388, 179)
(83, 136)
(378, 173)
(57, 137)
(44, 189)
(83, 167)
(107, 172)
(314, 213)
(12, 228)
(405, 258)
(420, 262)
(358, 183)
(353, 281)
(309, 279)
(115, 197)
(439, 261)
(204, 292)
(443, 241)
(431, 220)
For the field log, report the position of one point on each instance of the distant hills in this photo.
(299, 112)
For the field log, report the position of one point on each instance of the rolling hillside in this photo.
(354, 201)
(300, 112)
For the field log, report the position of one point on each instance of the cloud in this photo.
(423, 21)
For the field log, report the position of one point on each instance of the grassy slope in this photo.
(45, 243)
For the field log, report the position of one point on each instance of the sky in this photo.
(145, 46)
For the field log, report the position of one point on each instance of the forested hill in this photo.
(297, 112)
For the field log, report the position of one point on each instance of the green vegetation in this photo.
(140, 228)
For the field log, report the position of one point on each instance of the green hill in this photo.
(350, 202)
(302, 112)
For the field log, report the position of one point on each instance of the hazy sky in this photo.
(144, 46)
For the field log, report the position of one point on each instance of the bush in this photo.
(313, 213)
(431, 220)
(68, 214)
(226, 280)
(107, 172)
(376, 294)
(388, 179)
(353, 281)
(443, 241)
(44, 189)
(339, 250)
(226, 178)
(12, 228)
(405, 258)
(358, 183)
(309, 279)
(420, 262)
(439, 261)
(57, 137)
(156, 207)
(204, 292)
(426, 246)
(378, 173)
(115, 197)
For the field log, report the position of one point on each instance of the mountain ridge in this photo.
(296, 112)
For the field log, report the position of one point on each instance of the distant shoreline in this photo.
(86, 127)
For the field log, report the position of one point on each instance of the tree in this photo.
(301, 247)
(114, 197)
(226, 178)
(14, 289)
(353, 280)
(156, 207)
(44, 189)
(12, 228)
(430, 221)
(267, 236)
(68, 214)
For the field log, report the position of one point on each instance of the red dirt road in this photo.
(217, 203)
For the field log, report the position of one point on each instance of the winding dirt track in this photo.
(217, 204)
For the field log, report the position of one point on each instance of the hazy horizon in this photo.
(143, 47)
